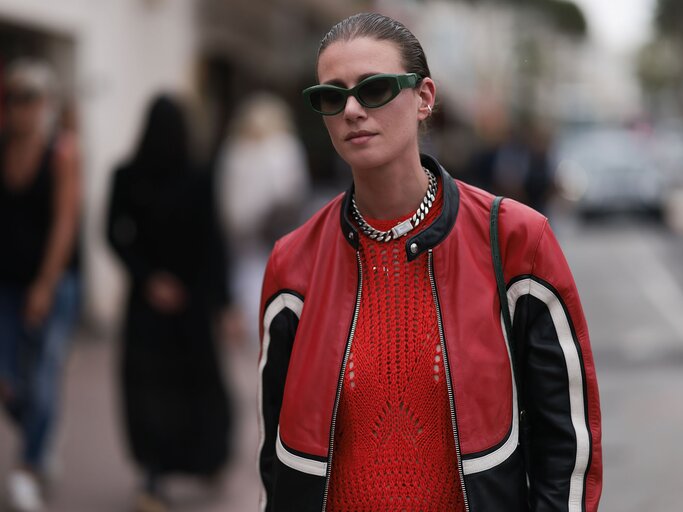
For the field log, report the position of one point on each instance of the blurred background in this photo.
(574, 107)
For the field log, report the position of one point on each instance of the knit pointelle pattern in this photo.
(394, 446)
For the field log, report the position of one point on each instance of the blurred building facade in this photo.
(489, 59)
(111, 57)
(513, 56)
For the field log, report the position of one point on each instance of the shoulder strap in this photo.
(502, 289)
(498, 269)
(505, 311)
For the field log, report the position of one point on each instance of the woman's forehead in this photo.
(347, 61)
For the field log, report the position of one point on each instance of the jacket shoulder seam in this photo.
(537, 245)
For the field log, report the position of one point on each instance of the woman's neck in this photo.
(390, 191)
(26, 140)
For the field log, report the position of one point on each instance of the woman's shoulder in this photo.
(61, 155)
(123, 179)
(478, 202)
(520, 227)
(324, 223)
(316, 244)
(66, 144)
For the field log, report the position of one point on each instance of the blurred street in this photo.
(91, 470)
(630, 278)
(190, 150)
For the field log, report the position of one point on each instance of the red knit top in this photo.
(394, 445)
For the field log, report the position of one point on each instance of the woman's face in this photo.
(372, 137)
(25, 110)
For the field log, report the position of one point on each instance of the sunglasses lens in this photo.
(373, 92)
(20, 98)
(376, 93)
(327, 101)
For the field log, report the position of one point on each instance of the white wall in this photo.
(125, 52)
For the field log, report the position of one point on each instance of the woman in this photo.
(264, 181)
(39, 211)
(163, 227)
(386, 382)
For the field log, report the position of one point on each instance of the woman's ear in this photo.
(427, 93)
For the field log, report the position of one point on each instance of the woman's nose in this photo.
(353, 109)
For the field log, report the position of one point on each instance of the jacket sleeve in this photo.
(559, 387)
(280, 312)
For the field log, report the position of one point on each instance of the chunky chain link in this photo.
(402, 228)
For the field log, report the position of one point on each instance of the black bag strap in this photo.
(503, 296)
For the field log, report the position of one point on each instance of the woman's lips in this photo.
(359, 138)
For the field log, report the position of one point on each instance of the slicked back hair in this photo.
(382, 28)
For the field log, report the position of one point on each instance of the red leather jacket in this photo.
(310, 301)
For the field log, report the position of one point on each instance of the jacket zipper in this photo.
(347, 351)
(449, 384)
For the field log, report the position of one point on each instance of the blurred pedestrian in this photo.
(516, 166)
(386, 377)
(163, 226)
(539, 186)
(264, 185)
(39, 217)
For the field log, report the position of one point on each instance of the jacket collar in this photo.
(427, 238)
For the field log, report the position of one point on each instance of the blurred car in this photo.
(666, 143)
(608, 170)
(667, 148)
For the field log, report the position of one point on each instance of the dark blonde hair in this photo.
(382, 28)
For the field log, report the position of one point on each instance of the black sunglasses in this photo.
(372, 92)
(21, 97)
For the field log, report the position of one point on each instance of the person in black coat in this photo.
(163, 227)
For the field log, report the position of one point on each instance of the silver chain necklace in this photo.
(402, 228)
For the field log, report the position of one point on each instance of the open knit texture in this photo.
(394, 445)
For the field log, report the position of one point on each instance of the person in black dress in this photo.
(162, 225)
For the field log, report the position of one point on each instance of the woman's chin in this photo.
(361, 158)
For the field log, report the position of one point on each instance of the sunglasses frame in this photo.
(397, 82)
